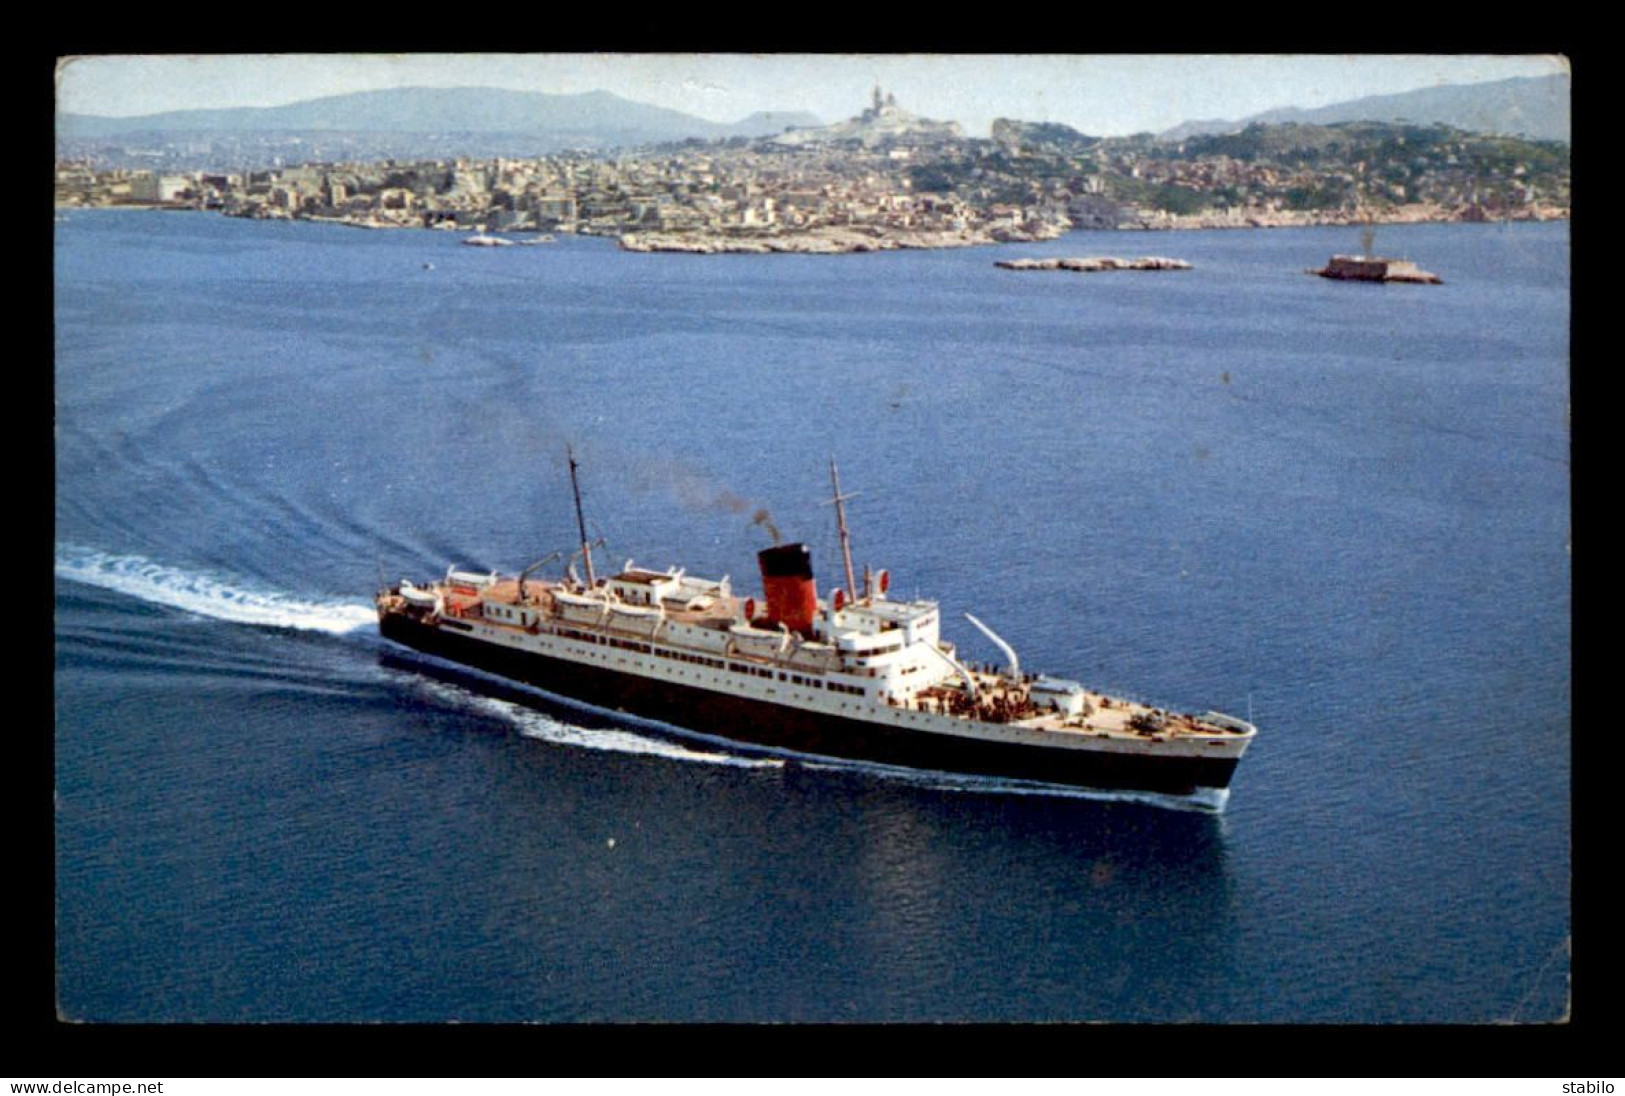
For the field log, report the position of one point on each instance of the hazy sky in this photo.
(1105, 95)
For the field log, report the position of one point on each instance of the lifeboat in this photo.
(580, 608)
(642, 620)
(817, 657)
(419, 597)
(759, 641)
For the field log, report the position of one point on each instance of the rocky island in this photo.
(1369, 268)
(831, 241)
(1092, 265)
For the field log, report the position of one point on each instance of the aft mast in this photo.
(840, 521)
(581, 522)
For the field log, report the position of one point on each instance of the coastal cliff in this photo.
(1417, 213)
(832, 241)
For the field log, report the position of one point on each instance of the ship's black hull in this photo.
(754, 722)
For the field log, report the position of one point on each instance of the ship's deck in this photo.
(719, 613)
(1106, 715)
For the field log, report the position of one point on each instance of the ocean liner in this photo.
(856, 676)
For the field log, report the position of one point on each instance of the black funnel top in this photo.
(785, 561)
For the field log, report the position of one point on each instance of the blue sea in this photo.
(1341, 510)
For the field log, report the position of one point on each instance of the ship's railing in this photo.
(1227, 722)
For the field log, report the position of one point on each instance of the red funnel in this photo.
(787, 580)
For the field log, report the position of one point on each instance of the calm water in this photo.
(1341, 508)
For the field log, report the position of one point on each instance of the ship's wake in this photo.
(201, 595)
(235, 602)
(1205, 800)
(531, 723)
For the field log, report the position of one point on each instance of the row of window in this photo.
(699, 660)
(714, 663)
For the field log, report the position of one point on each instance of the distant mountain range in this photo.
(1536, 107)
(438, 123)
(594, 119)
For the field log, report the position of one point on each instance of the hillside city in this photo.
(887, 178)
